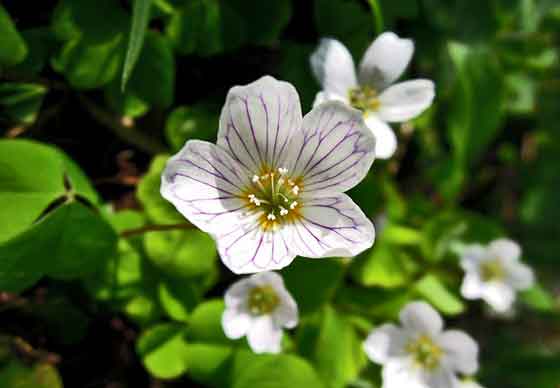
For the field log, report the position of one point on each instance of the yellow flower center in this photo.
(492, 270)
(262, 300)
(364, 98)
(425, 352)
(274, 194)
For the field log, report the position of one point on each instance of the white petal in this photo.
(287, 314)
(322, 97)
(235, 323)
(204, 183)
(245, 248)
(442, 378)
(471, 257)
(402, 373)
(461, 351)
(420, 317)
(333, 66)
(258, 120)
(472, 286)
(236, 295)
(406, 100)
(385, 139)
(500, 296)
(505, 249)
(521, 276)
(385, 60)
(332, 226)
(333, 151)
(263, 336)
(385, 342)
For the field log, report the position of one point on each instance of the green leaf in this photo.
(178, 298)
(21, 102)
(294, 68)
(32, 176)
(375, 301)
(41, 43)
(181, 253)
(206, 323)
(434, 291)
(77, 241)
(140, 20)
(262, 30)
(539, 299)
(199, 122)
(312, 295)
(157, 208)
(13, 49)
(334, 348)
(16, 374)
(209, 364)
(164, 350)
(273, 371)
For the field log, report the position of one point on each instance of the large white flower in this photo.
(370, 91)
(259, 307)
(494, 273)
(419, 354)
(272, 188)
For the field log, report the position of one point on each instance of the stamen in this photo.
(293, 205)
(271, 217)
(283, 211)
(295, 190)
(256, 178)
(282, 170)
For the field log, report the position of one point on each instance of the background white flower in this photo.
(370, 91)
(494, 273)
(259, 307)
(420, 354)
(272, 188)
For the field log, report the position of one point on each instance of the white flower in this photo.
(494, 273)
(420, 354)
(370, 91)
(272, 188)
(259, 307)
(469, 384)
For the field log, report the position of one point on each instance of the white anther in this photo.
(282, 170)
(295, 190)
(255, 200)
(271, 217)
(256, 178)
(281, 181)
(293, 205)
(283, 211)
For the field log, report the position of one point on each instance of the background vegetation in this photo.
(97, 293)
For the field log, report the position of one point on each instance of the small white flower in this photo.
(370, 91)
(259, 307)
(272, 188)
(494, 273)
(419, 354)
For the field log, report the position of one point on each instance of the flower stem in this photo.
(377, 15)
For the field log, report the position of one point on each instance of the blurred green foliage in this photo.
(482, 163)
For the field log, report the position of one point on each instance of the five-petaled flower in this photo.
(259, 307)
(370, 91)
(494, 273)
(273, 186)
(420, 354)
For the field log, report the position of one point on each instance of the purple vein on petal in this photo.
(200, 181)
(250, 121)
(216, 174)
(231, 124)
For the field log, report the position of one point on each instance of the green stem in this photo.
(377, 15)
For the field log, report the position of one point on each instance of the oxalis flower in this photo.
(259, 307)
(494, 273)
(370, 90)
(419, 354)
(272, 188)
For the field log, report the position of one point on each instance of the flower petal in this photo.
(246, 248)
(332, 226)
(322, 97)
(420, 317)
(521, 276)
(385, 139)
(442, 378)
(385, 60)
(500, 296)
(287, 314)
(263, 336)
(406, 100)
(258, 120)
(333, 151)
(235, 323)
(204, 184)
(461, 351)
(471, 257)
(385, 342)
(333, 66)
(236, 295)
(505, 249)
(472, 286)
(399, 373)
